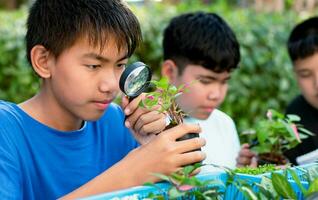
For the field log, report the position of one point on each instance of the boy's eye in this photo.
(205, 81)
(93, 66)
(304, 74)
(122, 65)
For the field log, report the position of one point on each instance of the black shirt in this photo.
(309, 118)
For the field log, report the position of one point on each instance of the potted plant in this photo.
(165, 96)
(276, 134)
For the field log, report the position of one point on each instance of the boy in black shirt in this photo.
(303, 51)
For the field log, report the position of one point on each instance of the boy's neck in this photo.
(47, 112)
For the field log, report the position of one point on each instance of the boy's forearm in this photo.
(115, 178)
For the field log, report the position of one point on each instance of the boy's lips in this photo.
(102, 104)
(208, 109)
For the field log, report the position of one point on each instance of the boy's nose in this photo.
(215, 93)
(109, 82)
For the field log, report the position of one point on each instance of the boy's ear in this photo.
(40, 61)
(170, 70)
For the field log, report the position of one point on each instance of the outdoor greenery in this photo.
(17, 80)
(264, 79)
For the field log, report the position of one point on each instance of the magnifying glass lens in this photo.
(136, 80)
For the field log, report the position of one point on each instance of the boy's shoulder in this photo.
(7, 110)
(297, 105)
(9, 115)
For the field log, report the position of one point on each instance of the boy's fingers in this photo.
(245, 151)
(190, 158)
(243, 161)
(151, 122)
(134, 116)
(181, 130)
(190, 144)
(124, 101)
(245, 146)
(132, 105)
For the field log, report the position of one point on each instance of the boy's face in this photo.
(306, 71)
(84, 80)
(205, 94)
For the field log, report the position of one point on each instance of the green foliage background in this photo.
(17, 80)
(264, 79)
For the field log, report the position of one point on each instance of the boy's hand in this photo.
(164, 154)
(144, 123)
(246, 157)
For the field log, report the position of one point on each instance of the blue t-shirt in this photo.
(38, 162)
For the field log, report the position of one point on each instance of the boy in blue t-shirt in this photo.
(69, 140)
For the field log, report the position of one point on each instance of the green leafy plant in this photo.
(186, 186)
(276, 134)
(282, 187)
(164, 96)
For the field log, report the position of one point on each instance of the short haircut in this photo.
(57, 24)
(202, 39)
(303, 40)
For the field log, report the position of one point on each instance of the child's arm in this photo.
(163, 154)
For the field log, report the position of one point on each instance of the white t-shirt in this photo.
(222, 142)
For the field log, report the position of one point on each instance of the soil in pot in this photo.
(271, 158)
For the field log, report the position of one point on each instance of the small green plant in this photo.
(186, 186)
(283, 188)
(164, 96)
(276, 134)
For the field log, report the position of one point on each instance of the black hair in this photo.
(57, 24)
(202, 39)
(303, 40)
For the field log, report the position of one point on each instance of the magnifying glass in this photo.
(135, 79)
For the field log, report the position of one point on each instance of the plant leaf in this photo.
(313, 187)
(293, 118)
(297, 180)
(162, 177)
(174, 193)
(282, 186)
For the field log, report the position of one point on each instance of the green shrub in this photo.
(264, 79)
(17, 81)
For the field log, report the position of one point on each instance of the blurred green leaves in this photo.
(264, 79)
(17, 82)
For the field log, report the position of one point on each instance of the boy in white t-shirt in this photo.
(201, 46)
